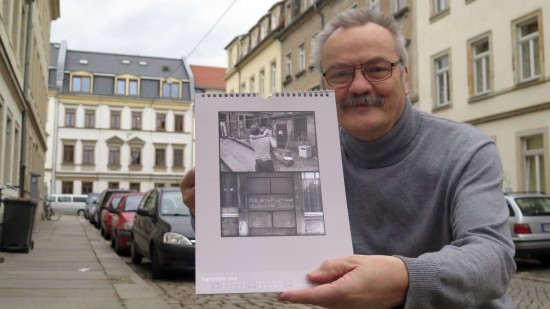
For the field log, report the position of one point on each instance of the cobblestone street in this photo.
(529, 289)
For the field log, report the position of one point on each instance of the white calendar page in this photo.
(265, 216)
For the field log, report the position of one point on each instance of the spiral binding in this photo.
(309, 93)
(228, 95)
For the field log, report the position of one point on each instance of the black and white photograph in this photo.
(268, 141)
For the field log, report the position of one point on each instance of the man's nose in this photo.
(360, 84)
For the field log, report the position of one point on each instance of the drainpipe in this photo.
(23, 152)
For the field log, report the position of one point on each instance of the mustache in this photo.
(367, 100)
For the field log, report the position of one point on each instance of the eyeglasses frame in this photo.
(360, 66)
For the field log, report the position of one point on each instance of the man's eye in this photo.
(376, 69)
(339, 74)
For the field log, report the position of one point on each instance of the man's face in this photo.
(358, 45)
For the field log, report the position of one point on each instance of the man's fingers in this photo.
(187, 187)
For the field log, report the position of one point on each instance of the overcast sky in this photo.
(160, 28)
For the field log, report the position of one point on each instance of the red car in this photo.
(107, 214)
(122, 222)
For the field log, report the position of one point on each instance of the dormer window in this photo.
(127, 85)
(81, 83)
(171, 89)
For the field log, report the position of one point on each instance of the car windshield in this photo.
(132, 203)
(534, 206)
(172, 204)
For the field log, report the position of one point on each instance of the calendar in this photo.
(270, 199)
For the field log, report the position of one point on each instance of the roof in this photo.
(110, 63)
(209, 77)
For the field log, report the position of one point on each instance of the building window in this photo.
(262, 81)
(178, 158)
(115, 119)
(159, 185)
(528, 50)
(89, 118)
(136, 120)
(534, 176)
(114, 155)
(288, 65)
(127, 86)
(88, 154)
(374, 5)
(135, 186)
(440, 6)
(252, 84)
(171, 90)
(178, 123)
(70, 118)
(87, 187)
(160, 157)
(113, 185)
(68, 154)
(301, 57)
(442, 83)
(135, 155)
(133, 87)
(121, 87)
(161, 122)
(273, 76)
(399, 5)
(81, 84)
(481, 66)
(67, 187)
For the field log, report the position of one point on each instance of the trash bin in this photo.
(304, 151)
(18, 225)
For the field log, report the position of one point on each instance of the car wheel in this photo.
(157, 271)
(80, 212)
(136, 257)
(102, 232)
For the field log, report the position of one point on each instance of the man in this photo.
(262, 150)
(427, 214)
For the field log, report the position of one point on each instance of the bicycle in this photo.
(50, 213)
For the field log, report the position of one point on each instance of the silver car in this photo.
(530, 224)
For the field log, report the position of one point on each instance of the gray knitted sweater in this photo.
(430, 193)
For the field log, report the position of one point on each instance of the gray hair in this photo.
(358, 17)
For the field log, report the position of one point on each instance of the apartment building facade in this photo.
(24, 55)
(254, 58)
(117, 121)
(491, 72)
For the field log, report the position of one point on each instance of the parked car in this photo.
(106, 215)
(102, 203)
(123, 220)
(91, 203)
(68, 204)
(162, 232)
(530, 224)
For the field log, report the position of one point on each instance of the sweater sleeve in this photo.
(477, 265)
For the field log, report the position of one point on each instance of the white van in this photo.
(68, 204)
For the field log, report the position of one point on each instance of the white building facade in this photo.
(117, 121)
(483, 62)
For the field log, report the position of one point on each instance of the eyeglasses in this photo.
(372, 71)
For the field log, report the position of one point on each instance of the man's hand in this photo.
(359, 281)
(187, 187)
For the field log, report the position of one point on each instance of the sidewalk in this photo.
(71, 266)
